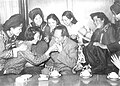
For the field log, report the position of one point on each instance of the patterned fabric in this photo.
(17, 64)
(108, 35)
(5, 53)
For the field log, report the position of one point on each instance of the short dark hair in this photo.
(14, 21)
(64, 30)
(31, 31)
(100, 15)
(54, 17)
(70, 15)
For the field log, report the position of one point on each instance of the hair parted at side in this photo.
(64, 30)
(70, 15)
(54, 17)
(14, 21)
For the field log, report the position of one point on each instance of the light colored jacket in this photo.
(67, 58)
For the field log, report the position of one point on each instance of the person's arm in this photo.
(34, 59)
(100, 45)
(69, 58)
(95, 35)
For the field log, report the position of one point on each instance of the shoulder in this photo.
(96, 31)
(41, 44)
(70, 42)
(47, 28)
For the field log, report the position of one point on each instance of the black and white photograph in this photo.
(59, 42)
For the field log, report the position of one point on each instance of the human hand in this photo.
(59, 47)
(100, 45)
(97, 44)
(22, 47)
(53, 48)
(46, 39)
(116, 61)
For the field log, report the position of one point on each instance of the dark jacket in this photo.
(108, 35)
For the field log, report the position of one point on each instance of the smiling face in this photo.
(38, 20)
(66, 20)
(52, 23)
(98, 22)
(17, 30)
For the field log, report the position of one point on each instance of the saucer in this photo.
(43, 77)
(113, 83)
(113, 79)
(85, 75)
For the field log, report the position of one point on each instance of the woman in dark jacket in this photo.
(105, 34)
(114, 48)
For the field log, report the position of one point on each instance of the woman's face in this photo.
(36, 37)
(52, 23)
(17, 30)
(66, 21)
(38, 20)
(98, 22)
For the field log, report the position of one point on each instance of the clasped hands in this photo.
(56, 47)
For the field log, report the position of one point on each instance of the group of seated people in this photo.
(50, 45)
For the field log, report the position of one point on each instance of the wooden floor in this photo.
(68, 80)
